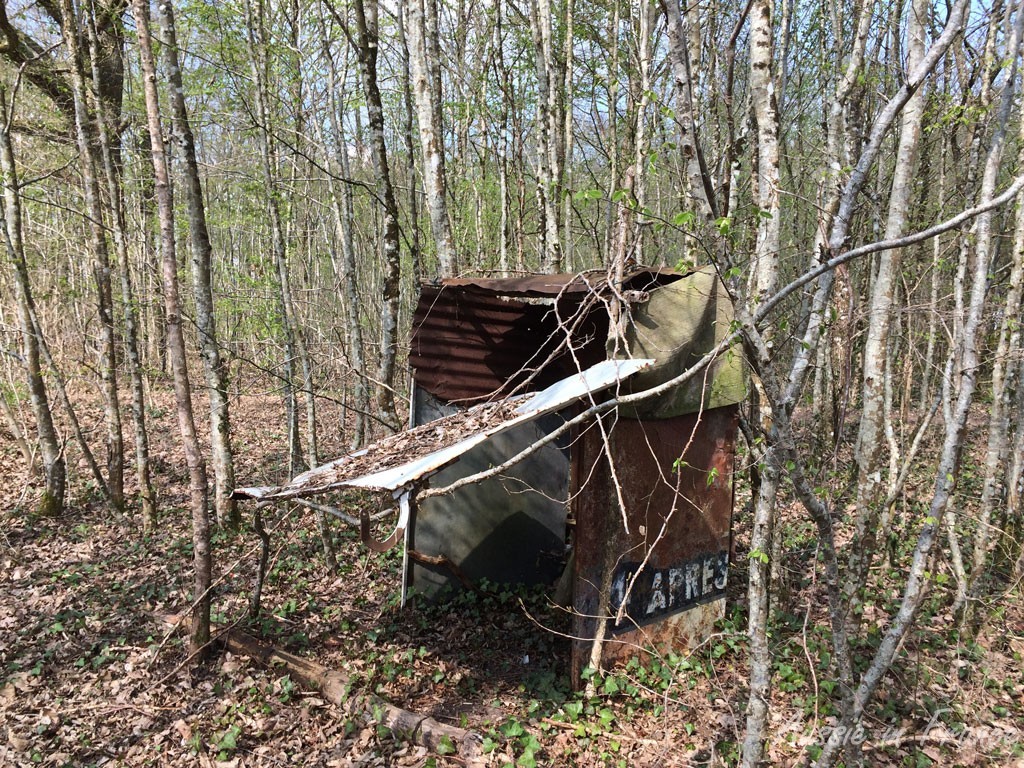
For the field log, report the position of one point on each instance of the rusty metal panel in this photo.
(467, 346)
(676, 480)
(574, 284)
(479, 338)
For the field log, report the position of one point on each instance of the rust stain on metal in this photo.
(676, 477)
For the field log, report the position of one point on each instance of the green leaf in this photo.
(513, 728)
(684, 219)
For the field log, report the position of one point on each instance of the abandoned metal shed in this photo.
(631, 505)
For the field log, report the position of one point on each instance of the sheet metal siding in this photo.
(682, 585)
(468, 346)
(507, 529)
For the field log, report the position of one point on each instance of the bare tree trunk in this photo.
(101, 260)
(366, 47)
(763, 282)
(147, 493)
(413, 237)
(765, 268)
(870, 441)
(268, 156)
(699, 189)
(547, 129)
(344, 222)
(612, 141)
(214, 368)
(641, 142)
(924, 396)
(502, 76)
(202, 557)
(423, 59)
(567, 136)
(295, 344)
(758, 589)
(54, 470)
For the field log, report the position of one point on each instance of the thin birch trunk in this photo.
(764, 279)
(295, 344)
(615, 183)
(422, 38)
(268, 166)
(366, 47)
(568, 140)
(344, 222)
(504, 192)
(933, 278)
(765, 263)
(547, 130)
(409, 113)
(85, 137)
(641, 141)
(202, 557)
(871, 437)
(214, 367)
(51, 503)
(699, 187)
(147, 493)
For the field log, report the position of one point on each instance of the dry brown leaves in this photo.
(89, 677)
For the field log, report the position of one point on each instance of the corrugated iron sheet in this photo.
(475, 339)
(568, 284)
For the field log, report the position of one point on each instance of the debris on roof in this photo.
(399, 461)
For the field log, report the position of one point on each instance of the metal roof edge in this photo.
(553, 398)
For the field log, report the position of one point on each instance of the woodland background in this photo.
(234, 202)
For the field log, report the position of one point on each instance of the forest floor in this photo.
(91, 675)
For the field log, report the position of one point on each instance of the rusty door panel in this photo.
(676, 480)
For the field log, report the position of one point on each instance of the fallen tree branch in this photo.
(337, 688)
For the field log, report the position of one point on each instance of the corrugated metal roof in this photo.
(413, 455)
(477, 338)
(567, 284)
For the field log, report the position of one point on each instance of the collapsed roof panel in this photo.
(400, 461)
